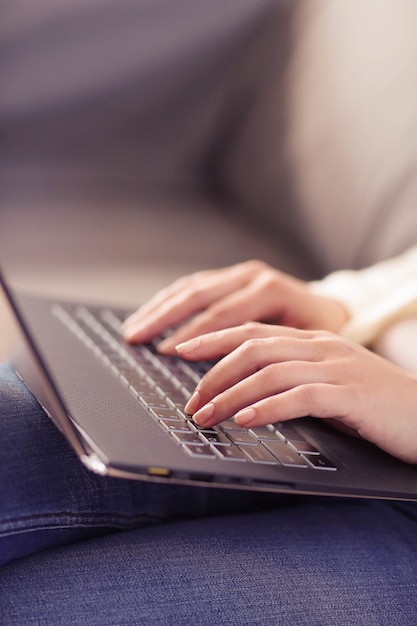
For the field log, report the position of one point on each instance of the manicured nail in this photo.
(130, 331)
(202, 417)
(187, 346)
(245, 417)
(129, 320)
(193, 403)
(166, 346)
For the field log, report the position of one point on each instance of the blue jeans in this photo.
(185, 555)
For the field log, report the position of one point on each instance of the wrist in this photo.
(333, 315)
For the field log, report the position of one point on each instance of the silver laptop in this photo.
(121, 409)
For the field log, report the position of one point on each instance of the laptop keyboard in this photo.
(163, 384)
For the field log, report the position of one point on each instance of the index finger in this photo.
(183, 299)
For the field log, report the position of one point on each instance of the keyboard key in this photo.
(199, 451)
(165, 412)
(304, 447)
(137, 381)
(259, 454)
(321, 462)
(230, 453)
(265, 433)
(154, 402)
(288, 432)
(174, 425)
(149, 395)
(215, 437)
(178, 398)
(186, 437)
(242, 437)
(285, 455)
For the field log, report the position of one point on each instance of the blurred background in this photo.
(113, 119)
(144, 139)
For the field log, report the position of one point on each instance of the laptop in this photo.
(121, 409)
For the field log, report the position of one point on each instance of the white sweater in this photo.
(377, 297)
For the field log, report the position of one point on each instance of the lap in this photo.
(313, 562)
(48, 497)
(230, 557)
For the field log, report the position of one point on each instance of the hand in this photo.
(273, 373)
(228, 297)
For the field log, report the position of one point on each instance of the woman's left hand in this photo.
(274, 373)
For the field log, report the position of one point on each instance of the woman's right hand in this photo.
(270, 374)
(215, 299)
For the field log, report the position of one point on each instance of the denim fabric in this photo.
(219, 560)
(48, 498)
(308, 565)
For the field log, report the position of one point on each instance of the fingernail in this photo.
(192, 403)
(167, 345)
(187, 346)
(128, 321)
(245, 417)
(202, 417)
(130, 331)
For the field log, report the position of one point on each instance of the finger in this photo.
(219, 343)
(224, 314)
(232, 310)
(320, 400)
(183, 299)
(269, 381)
(206, 277)
(165, 294)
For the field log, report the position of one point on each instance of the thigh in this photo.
(314, 561)
(48, 497)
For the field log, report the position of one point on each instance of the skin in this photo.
(269, 372)
(273, 373)
(217, 299)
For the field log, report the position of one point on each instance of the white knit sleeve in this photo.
(376, 297)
